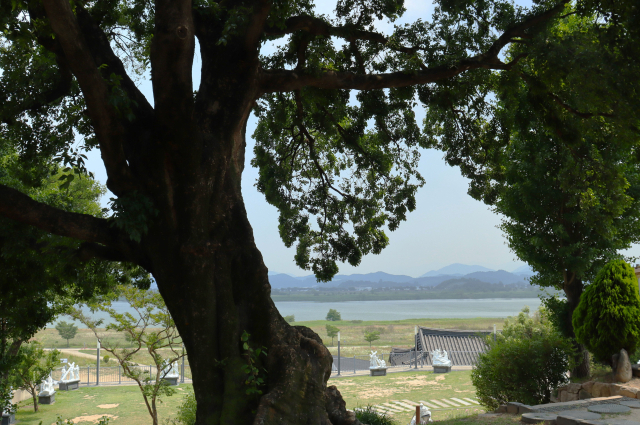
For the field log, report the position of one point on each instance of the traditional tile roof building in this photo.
(462, 347)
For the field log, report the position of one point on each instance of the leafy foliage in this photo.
(153, 331)
(186, 412)
(333, 315)
(290, 318)
(255, 377)
(332, 332)
(368, 415)
(66, 330)
(524, 364)
(34, 366)
(371, 336)
(608, 316)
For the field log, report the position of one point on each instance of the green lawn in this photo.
(126, 406)
(86, 401)
(360, 391)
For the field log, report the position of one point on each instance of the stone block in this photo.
(502, 408)
(614, 389)
(635, 370)
(8, 419)
(174, 381)
(69, 385)
(378, 372)
(584, 395)
(600, 389)
(587, 386)
(525, 408)
(513, 407)
(47, 399)
(628, 392)
(567, 396)
(441, 369)
(574, 388)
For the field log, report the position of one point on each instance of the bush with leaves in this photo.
(369, 416)
(525, 363)
(608, 316)
(290, 318)
(186, 412)
(371, 336)
(34, 366)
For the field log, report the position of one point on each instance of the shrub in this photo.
(524, 364)
(608, 315)
(106, 359)
(290, 318)
(369, 416)
(186, 412)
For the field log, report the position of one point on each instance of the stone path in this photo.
(399, 406)
(616, 410)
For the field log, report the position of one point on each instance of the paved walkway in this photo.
(400, 406)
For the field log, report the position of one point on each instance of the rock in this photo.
(567, 396)
(628, 392)
(635, 370)
(623, 371)
(574, 388)
(614, 361)
(587, 386)
(502, 408)
(600, 389)
(614, 389)
(536, 418)
(583, 395)
(513, 407)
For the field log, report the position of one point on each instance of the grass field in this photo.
(397, 333)
(125, 405)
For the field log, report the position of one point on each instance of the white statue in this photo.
(376, 363)
(425, 416)
(71, 374)
(46, 387)
(440, 358)
(170, 370)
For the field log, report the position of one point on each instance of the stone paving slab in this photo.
(539, 417)
(579, 404)
(450, 402)
(608, 408)
(614, 421)
(440, 403)
(464, 403)
(430, 405)
(634, 404)
(472, 400)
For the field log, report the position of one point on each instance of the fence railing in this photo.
(405, 360)
(113, 375)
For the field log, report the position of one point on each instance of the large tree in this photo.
(340, 168)
(559, 157)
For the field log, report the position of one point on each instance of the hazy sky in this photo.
(447, 226)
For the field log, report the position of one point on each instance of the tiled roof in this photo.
(462, 347)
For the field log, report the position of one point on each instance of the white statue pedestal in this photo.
(441, 369)
(8, 419)
(171, 375)
(47, 398)
(69, 385)
(380, 371)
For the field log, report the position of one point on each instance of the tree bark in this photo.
(573, 288)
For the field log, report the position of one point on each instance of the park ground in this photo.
(124, 404)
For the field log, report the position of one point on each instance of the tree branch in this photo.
(288, 80)
(17, 206)
(106, 124)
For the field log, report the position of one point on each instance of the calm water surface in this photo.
(387, 310)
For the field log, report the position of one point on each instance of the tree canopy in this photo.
(337, 145)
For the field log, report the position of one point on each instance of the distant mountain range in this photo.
(458, 272)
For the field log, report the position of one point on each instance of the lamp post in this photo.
(415, 337)
(98, 364)
(494, 331)
(338, 353)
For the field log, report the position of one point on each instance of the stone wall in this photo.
(592, 389)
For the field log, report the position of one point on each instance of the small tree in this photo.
(153, 331)
(332, 332)
(525, 363)
(34, 366)
(290, 318)
(333, 315)
(608, 315)
(371, 336)
(66, 330)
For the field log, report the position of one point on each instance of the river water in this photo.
(385, 310)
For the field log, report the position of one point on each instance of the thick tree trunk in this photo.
(573, 288)
(215, 284)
